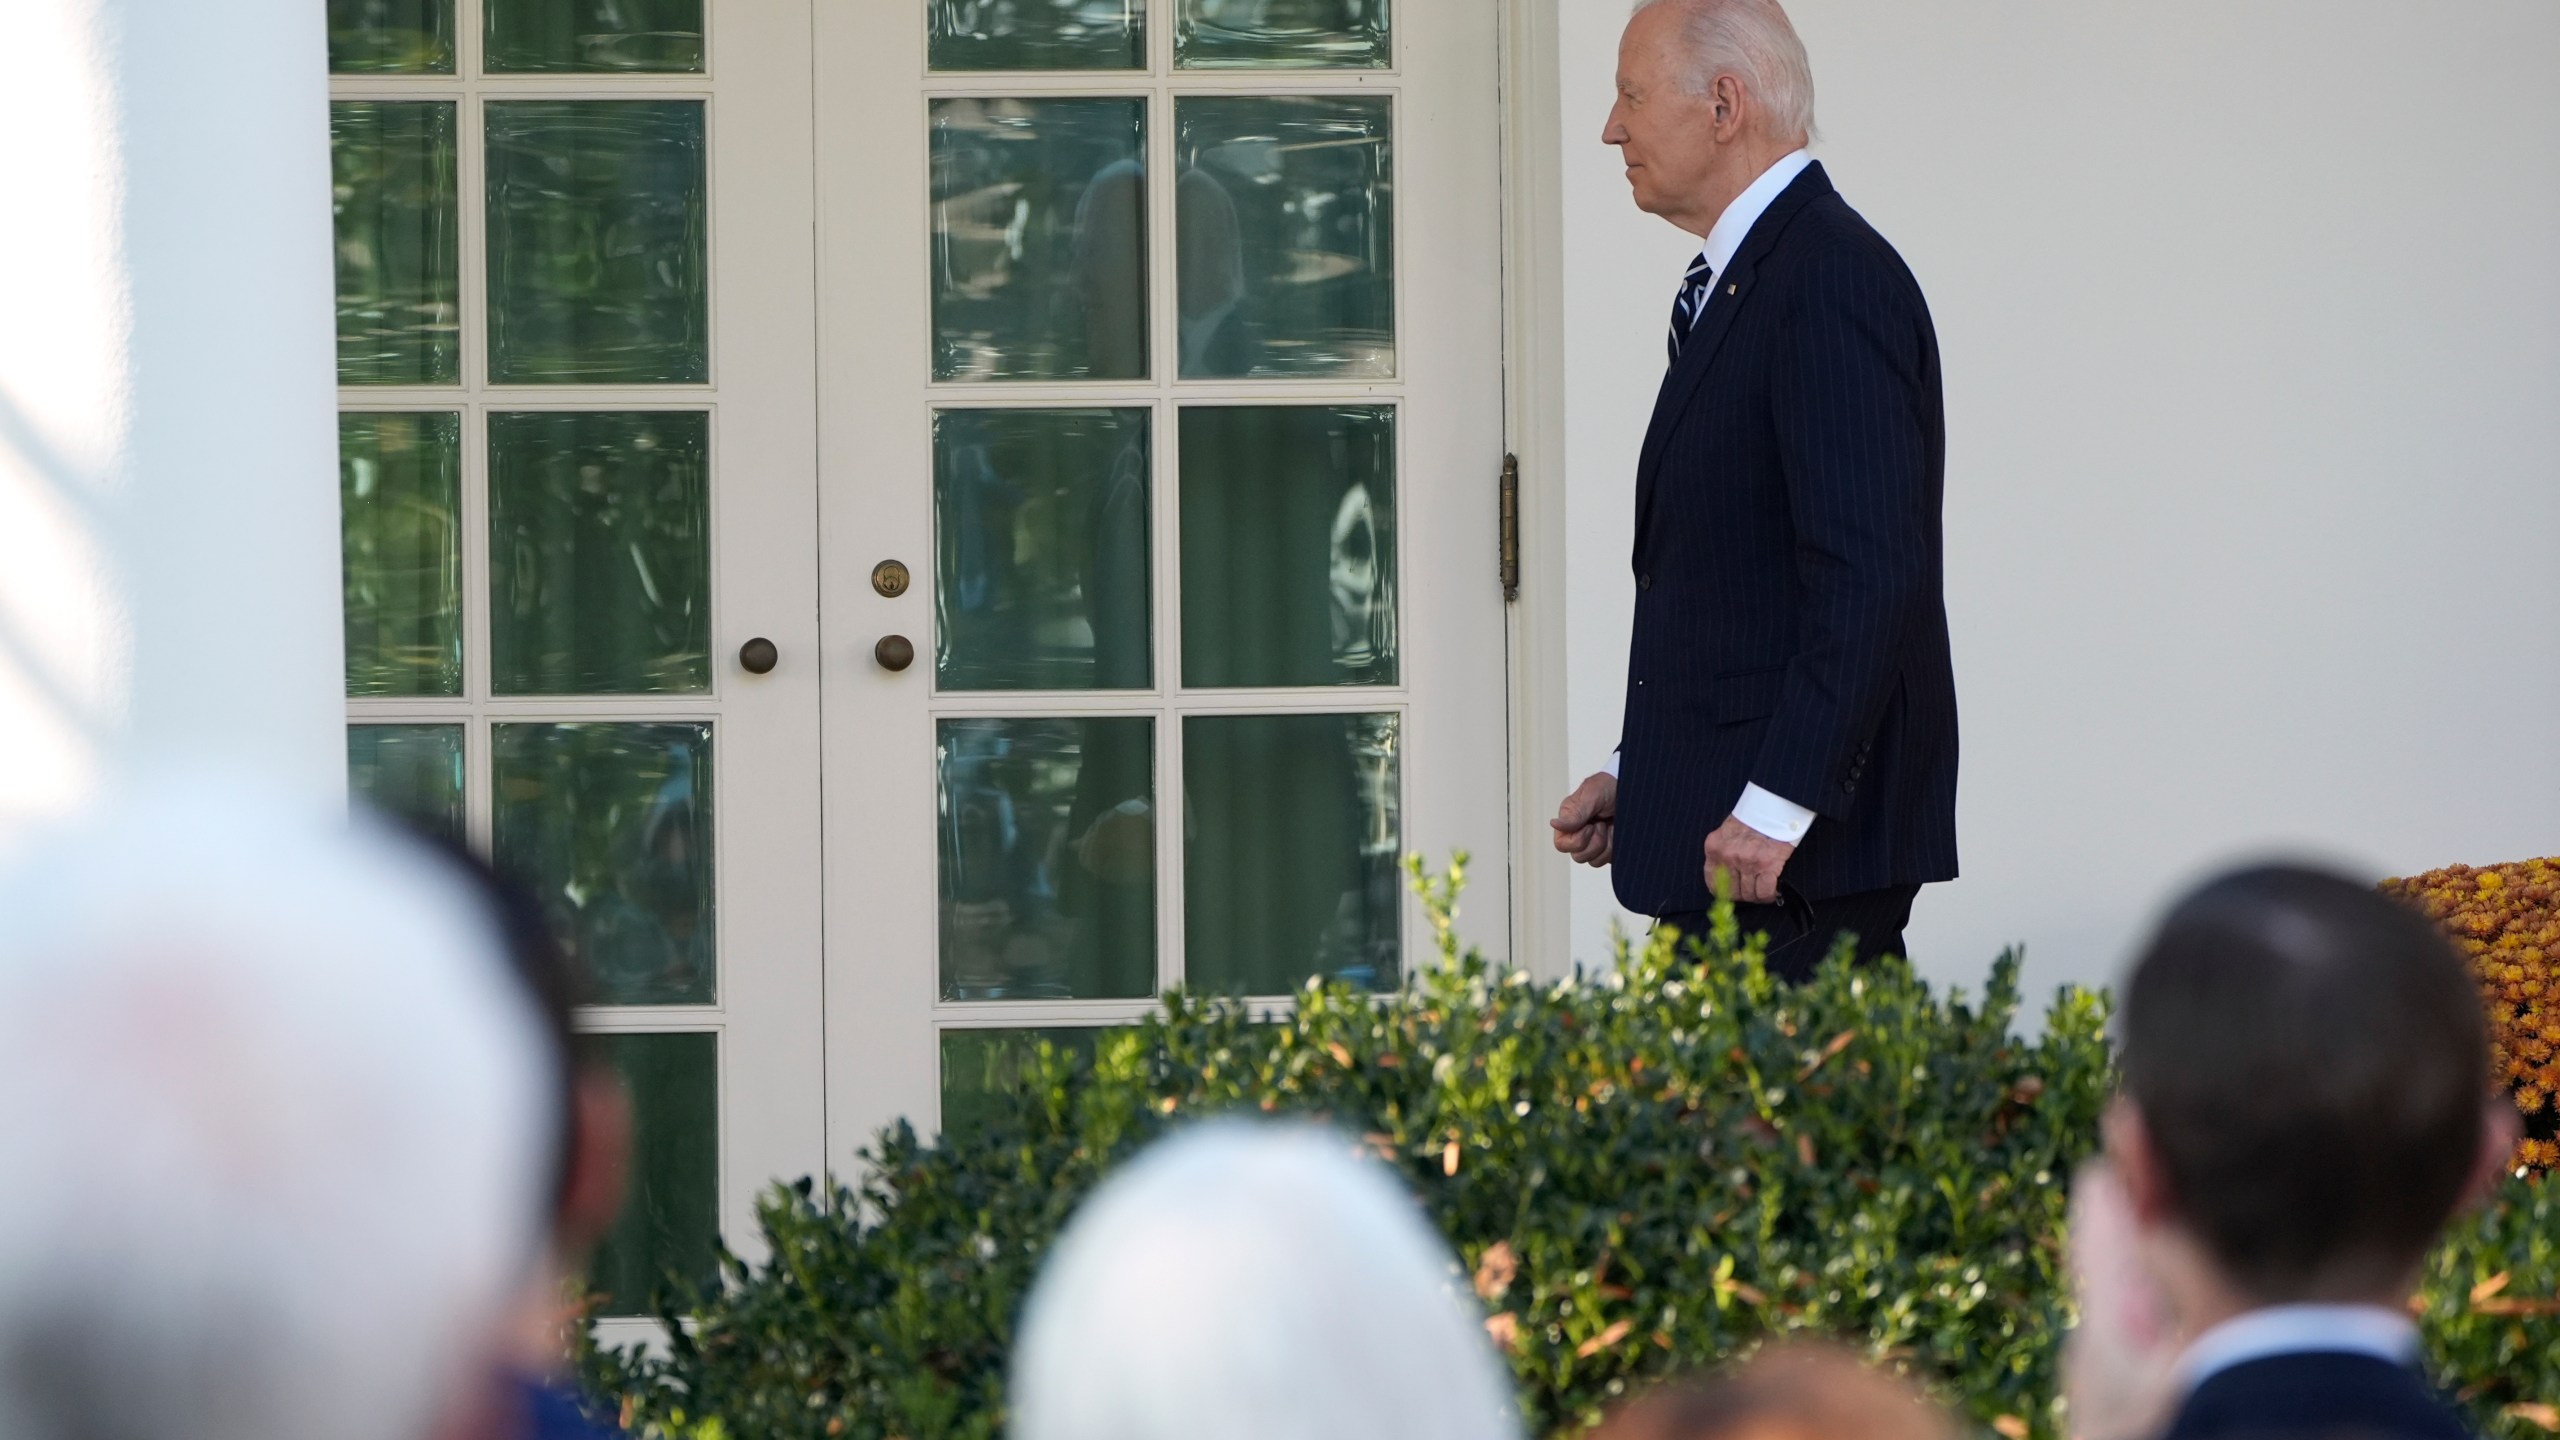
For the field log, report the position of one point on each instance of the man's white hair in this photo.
(1755, 42)
(271, 1126)
(1251, 1281)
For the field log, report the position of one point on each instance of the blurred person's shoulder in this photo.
(2316, 1396)
(554, 1412)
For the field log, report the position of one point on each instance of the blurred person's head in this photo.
(588, 1118)
(2306, 1094)
(1249, 1281)
(271, 1119)
(1797, 1391)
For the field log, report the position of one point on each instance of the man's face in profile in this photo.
(1665, 134)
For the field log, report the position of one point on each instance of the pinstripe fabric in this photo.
(1790, 625)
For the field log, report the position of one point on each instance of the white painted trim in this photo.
(1534, 422)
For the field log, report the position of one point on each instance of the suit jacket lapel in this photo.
(1697, 354)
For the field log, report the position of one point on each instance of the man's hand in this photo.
(1751, 858)
(1586, 824)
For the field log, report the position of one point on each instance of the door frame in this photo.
(1541, 914)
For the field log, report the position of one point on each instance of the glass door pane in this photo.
(1042, 557)
(397, 216)
(1285, 226)
(1039, 238)
(967, 35)
(400, 500)
(1048, 858)
(670, 1224)
(600, 552)
(1288, 545)
(533, 37)
(391, 37)
(598, 242)
(1282, 35)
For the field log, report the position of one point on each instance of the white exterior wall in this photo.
(2251, 321)
(168, 493)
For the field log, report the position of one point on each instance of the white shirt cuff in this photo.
(1775, 816)
(1611, 769)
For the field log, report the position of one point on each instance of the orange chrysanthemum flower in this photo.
(2506, 918)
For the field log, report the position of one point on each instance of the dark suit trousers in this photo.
(1801, 932)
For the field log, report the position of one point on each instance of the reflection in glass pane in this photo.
(1041, 519)
(597, 228)
(392, 193)
(670, 1223)
(531, 36)
(399, 506)
(1290, 856)
(1047, 834)
(410, 772)
(391, 37)
(599, 552)
(1039, 239)
(1288, 545)
(610, 827)
(1281, 34)
(1284, 224)
(1036, 34)
(986, 1074)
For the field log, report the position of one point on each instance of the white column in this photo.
(168, 493)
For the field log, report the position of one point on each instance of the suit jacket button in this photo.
(1644, 582)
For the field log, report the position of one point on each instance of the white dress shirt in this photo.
(2375, 1330)
(1773, 815)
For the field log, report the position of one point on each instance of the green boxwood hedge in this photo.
(1644, 1172)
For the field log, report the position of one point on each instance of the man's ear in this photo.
(1725, 96)
(2137, 1162)
(2500, 1128)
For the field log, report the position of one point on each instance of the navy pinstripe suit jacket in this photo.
(1791, 624)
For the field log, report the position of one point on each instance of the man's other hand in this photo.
(1586, 824)
(1751, 858)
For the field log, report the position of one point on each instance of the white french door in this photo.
(1053, 443)
(1160, 420)
(578, 465)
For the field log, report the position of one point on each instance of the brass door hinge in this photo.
(1510, 528)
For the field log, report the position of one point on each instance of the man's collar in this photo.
(1735, 223)
(2375, 1330)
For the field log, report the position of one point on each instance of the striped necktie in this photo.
(1693, 298)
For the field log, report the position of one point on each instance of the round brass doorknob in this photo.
(894, 652)
(758, 656)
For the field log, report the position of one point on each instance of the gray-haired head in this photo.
(271, 1118)
(1250, 1281)
(1754, 42)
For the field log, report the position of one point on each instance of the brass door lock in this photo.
(890, 578)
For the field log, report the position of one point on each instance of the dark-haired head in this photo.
(591, 1124)
(2306, 1071)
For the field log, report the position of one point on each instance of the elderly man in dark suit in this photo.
(1791, 715)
